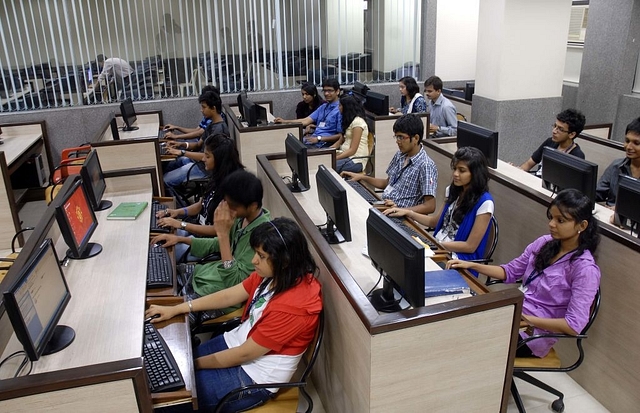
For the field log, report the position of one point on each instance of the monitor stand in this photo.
(91, 250)
(383, 299)
(104, 204)
(61, 338)
(331, 234)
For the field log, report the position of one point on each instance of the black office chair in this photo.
(550, 363)
(492, 242)
(192, 189)
(286, 400)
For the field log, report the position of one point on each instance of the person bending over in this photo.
(411, 101)
(462, 223)
(559, 274)
(354, 140)
(282, 307)
(412, 177)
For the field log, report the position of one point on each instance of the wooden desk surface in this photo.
(148, 127)
(18, 139)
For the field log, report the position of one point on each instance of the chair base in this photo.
(556, 406)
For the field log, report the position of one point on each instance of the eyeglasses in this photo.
(400, 137)
(558, 128)
(328, 91)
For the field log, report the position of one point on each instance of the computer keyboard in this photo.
(159, 268)
(364, 192)
(163, 373)
(412, 232)
(155, 207)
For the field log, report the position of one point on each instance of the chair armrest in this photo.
(550, 335)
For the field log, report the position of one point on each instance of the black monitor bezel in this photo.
(95, 198)
(240, 101)
(13, 310)
(115, 133)
(481, 138)
(63, 223)
(627, 201)
(333, 198)
(128, 113)
(377, 103)
(296, 155)
(569, 163)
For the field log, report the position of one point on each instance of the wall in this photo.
(344, 27)
(456, 40)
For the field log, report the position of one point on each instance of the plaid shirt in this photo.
(410, 184)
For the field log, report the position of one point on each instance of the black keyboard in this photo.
(364, 192)
(163, 373)
(159, 268)
(412, 232)
(155, 207)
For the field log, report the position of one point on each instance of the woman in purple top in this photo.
(558, 271)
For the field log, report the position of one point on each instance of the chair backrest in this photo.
(492, 241)
(460, 116)
(311, 354)
(595, 307)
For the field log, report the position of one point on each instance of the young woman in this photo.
(221, 159)
(559, 274)
(310, 101)
(411, 101)
(462, 223)
(354, 136)
(283, 303)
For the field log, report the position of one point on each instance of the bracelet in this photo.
(190, 306)
(186, 214)
(227, 264)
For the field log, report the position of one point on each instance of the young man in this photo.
(190, 152)
(327, 118)
(412, 177)
(569, 123)
(192, 133)
(444, 121)
(235, 218)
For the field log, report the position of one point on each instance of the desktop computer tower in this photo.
(31, 174)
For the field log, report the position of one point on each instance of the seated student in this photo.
(462, 223)
(607, 188)
(192, 134)
(559, 274)
(411, 101)
(283, 304)
(310, 101)
(444, 120)
(412, 177)
(235, 218)
(354, 140)
(327, 118)
(569, 123)
(220, 159)
(176, 171)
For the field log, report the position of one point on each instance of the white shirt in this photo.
(115, 66)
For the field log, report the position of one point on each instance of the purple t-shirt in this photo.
(565, 289)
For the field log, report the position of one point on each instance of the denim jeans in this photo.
(347, 164)
(176, 173)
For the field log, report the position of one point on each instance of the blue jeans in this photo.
(176, 173)
(346, 164)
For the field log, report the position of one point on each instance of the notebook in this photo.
(127, 210)
(444, 282)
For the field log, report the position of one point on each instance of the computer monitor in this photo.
(400, 260)
(114, 129)
(563, 171)
(333, 199)
(296, 153)
(240, 99)
(469, 90)
(627, 202)
(93, 180)
(128, 115)
(478, 137)
(377, 103)
(359, 91)
(76, 220)
(254, 114)
(35, 302)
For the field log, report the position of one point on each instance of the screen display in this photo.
(78, 213)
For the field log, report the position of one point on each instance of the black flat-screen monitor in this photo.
(563, 171)
(399, 258)
(35, 302)
(628, 202)
(377, 103)
(469, 90)
(114, 129)
(94, 183)
(76, 220)
(128, 115)
(253, 113)
(484, 139)
(333, 199)
(296, 153)
(240, 99)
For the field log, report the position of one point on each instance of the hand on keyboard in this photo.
(166, 240)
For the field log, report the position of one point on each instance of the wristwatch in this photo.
(183, 224)
(227, 264)
(319, 138)
(182, 152)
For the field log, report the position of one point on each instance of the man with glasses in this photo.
(412, 177)
(569, 123)
(327, 118)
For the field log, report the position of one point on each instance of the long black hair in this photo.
(351, 108)
(225, 161)
(312, 90)
(477, 164)
(576, 206)
(288, 252)
(411, 85)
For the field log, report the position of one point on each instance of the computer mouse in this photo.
(159, 243)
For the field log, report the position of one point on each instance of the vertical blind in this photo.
(49, 48)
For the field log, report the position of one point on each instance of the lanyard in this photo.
(258, 295)
(535, 275)
(397, 178)
(324, 112)
(240, 233)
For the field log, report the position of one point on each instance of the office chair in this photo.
(492, 243)
(286, 400)
(550, 363)
(460, 116)
(219, 325)
(371, 145)
(192, 189)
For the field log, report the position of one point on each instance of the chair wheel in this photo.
(557, 406)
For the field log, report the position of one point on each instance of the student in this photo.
(283, 304)
(569, 123)
(220, 160)
(327, 118)
(411, 101)
(412, 177)
(559, 274)
(607, 188)
(190, 152)
(462, 223)
(355, 134)
(310, 101)
(443, 114)
(235, 218)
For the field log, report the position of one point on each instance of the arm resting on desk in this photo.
(493, 271)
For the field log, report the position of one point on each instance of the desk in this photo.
(21, 143)
(15, 97)
(371, 362)
(148, 124)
